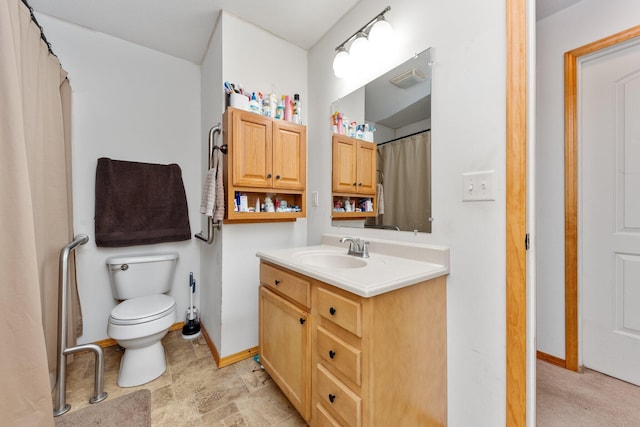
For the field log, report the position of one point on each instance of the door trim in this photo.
(571, 185)
(516, 212)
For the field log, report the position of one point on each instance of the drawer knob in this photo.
(302, 320)
(332, 311)
(332, 397)
(277, 176)
(332, 354)
(269, 175)
(277, 282)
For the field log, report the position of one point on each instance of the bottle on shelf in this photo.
(297, 117)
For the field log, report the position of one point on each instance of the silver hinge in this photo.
(526, 242)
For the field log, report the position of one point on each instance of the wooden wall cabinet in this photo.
(265, 156)
(353, 172)
(376, 361)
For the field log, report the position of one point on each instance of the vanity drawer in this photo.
(293, 287)
(339, 355)
(342, 311)
(333, 394)
(324, 419)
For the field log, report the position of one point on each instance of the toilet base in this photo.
(141, 365)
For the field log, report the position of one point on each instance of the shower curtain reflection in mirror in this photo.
(404, 167)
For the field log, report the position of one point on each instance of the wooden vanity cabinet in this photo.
(285, 334)
(378, 361)
(265, 156)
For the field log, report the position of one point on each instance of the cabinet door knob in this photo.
(332, 311)
(277, 282)
(359, 184)
(332, 397)
(277, 176)
(302, 320)
(332, 354)
(355, 183)
(269, 175)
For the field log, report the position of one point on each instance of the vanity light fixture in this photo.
(375, 33)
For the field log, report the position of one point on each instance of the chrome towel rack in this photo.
(211, 226)
(60, 404)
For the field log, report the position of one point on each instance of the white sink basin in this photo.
(329, 260)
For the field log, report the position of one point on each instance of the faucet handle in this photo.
(365, 249)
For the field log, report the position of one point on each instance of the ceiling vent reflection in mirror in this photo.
(409, 78)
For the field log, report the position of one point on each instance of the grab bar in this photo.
(210, 237)
(60, 406)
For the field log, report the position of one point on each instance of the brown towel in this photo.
(139, 204)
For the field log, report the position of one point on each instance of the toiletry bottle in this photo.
(288, 108)
(253, 104)
(266, 107)
(280, 111)
(297, 118)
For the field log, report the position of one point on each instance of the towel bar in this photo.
(210, 237)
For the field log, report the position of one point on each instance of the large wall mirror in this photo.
(398, 106)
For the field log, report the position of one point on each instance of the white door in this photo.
(609, 210)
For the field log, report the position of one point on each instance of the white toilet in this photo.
(145, 314)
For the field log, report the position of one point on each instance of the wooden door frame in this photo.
(516, 211)
(571, 59)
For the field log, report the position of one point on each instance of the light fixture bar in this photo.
(381, 14)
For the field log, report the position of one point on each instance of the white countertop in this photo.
(391, 265)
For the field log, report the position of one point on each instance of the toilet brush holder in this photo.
(191, 328)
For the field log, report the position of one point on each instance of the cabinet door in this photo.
(289, 156)
(344, 164)
(252, 150)
(366, 167)
(285, 348)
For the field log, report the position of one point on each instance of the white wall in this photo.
(129, 103)
(211, 255)
(468, 102)
(578, 25)
(243, 53)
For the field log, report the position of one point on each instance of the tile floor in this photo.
(193, 391)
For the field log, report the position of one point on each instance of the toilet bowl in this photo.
(138, 325)
(144, 316)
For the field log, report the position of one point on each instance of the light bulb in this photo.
(359, 49)
(341, 63)
(381, 33)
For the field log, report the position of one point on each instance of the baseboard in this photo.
(109, 342)
(551, 359)
(227, 360)
(220, 361)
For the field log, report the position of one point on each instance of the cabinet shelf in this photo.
(355, 199)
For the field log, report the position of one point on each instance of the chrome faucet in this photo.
(357, 247)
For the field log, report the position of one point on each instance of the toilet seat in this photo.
(142, 309)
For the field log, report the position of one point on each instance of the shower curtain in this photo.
(35, 213)
(406, 178)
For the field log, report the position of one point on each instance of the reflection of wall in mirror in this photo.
(352, 106)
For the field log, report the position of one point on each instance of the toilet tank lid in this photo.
(138, 258)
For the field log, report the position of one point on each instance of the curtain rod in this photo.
(402, 137)
(35, 21)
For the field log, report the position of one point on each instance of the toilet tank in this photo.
(133, 276)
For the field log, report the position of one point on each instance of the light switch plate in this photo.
(314, 199)
(478, 186)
